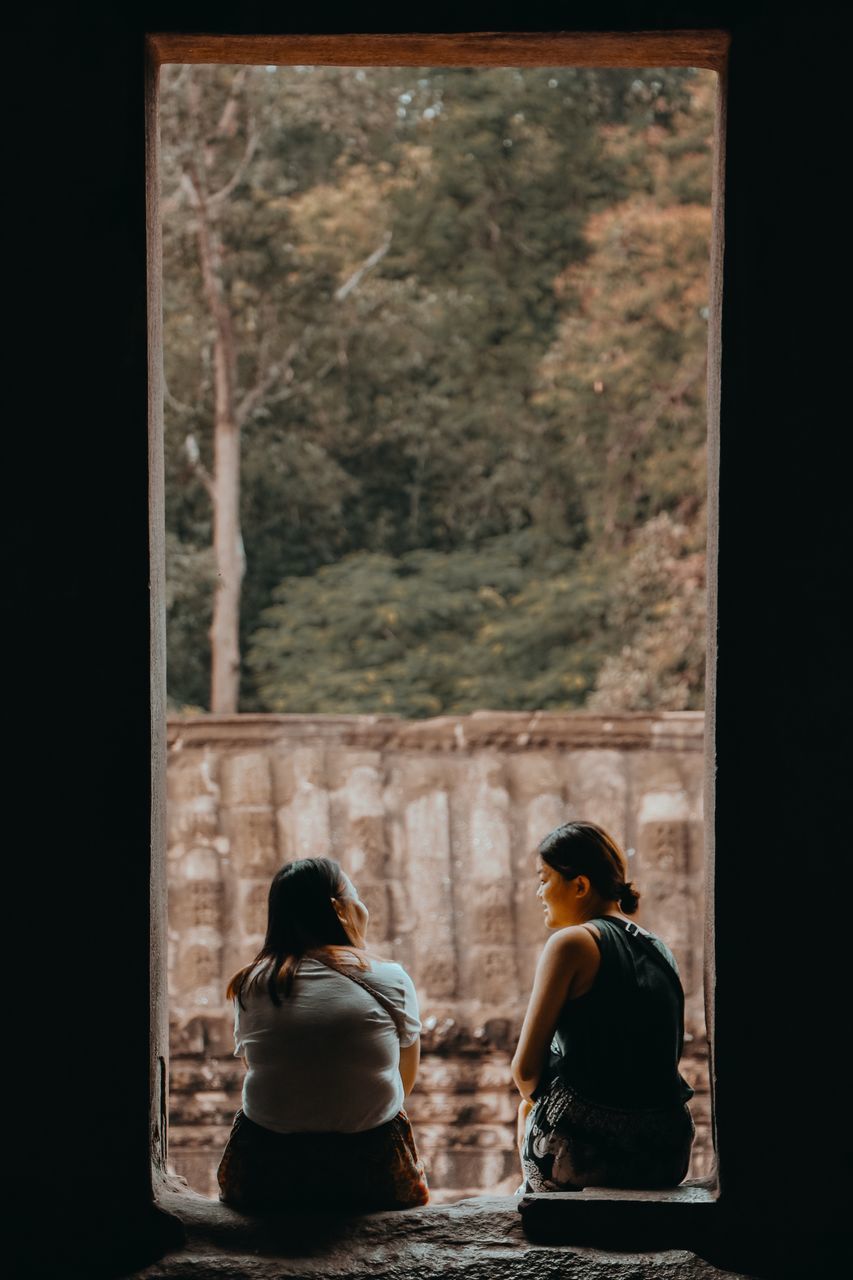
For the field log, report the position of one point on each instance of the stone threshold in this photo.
(482, 1238)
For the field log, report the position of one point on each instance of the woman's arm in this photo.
(409, 1061)
(565, 956)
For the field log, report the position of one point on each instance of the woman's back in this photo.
(619, 1044)
(326, 1059)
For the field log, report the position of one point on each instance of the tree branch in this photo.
(263, 381)
(360, 272)
(224, 192)
(197, 467)
(173, 401)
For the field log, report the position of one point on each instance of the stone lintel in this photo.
(508, 731)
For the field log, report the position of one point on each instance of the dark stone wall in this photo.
(78, 1185)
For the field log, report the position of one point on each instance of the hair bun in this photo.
(629, 898)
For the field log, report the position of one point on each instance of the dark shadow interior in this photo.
(79, 1185)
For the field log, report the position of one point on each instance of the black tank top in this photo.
(620, 1043)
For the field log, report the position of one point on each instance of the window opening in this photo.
(463, 350)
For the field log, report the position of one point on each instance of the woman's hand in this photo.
(524, 1109)
(410, 1058)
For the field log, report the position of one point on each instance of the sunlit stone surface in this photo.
(436, 821)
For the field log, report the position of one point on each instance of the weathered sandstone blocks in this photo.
(495, 980)
(489, 854)
(483, 907)
(296, 769)
(192, 805)
(252, 909)
(490, 913)
(191, 776)
(196, 921)
(377, 899)
(366, 850)
(427, 833)
(533, 774)
(600, 792)
(543, 813)
(303, 817)
(246, 780)
(671, 858)
(195, 903)
(198, 971)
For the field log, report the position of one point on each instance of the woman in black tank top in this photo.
(603, 1102)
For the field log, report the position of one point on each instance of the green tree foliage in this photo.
(658, 609)
(510, 624)
(431, 273)
(625, 376)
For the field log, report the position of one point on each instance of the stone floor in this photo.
(478, 1239)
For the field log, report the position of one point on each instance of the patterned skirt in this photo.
(377, 1169)
(571, 1143)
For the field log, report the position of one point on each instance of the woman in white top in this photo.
(331, 1040)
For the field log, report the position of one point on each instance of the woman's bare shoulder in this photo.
(573, 940)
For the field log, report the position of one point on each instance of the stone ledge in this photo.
(699, 1191)
(479, 1239)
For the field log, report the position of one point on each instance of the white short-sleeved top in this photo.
(327, 1059)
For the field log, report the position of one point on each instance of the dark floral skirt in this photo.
(571, 1143)
(376, 1169)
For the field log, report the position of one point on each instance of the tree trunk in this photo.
(225, 489)
(230, 564)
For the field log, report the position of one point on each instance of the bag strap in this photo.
(383, 1001)
(634, 931)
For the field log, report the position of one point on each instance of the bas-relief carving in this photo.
(193, 820)
(197, 903)
(671, 901)
(439, 975)
(252, 837)
(490, 912)
(192, 777)
(494, 974)
(252, 919)
(665, 847)
(198, 966)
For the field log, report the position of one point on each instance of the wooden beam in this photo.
(482, 48)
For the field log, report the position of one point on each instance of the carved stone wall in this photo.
(436, 822)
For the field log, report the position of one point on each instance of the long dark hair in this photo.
(301, 921)
(585, 849)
